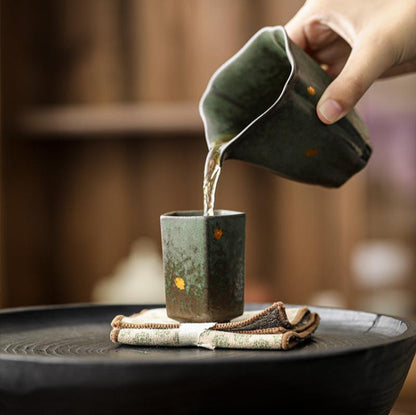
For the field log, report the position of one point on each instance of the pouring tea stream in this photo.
(259, 107)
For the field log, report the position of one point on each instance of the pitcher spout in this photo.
(260, 105)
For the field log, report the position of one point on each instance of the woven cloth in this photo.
(275, 328)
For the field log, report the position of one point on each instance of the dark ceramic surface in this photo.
(60, 360)
(261, 105)
(204, 265)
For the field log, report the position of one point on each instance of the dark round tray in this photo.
(60, 360)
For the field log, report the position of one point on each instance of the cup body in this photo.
(204, 265)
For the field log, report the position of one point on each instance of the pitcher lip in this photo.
(231, 60)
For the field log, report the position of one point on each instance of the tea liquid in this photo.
(211, 175)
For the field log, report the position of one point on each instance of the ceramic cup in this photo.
(204, 265)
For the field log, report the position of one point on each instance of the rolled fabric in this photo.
(274, 328)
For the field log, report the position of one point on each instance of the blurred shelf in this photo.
(96, 121)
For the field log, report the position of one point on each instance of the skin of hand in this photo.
(356, 42)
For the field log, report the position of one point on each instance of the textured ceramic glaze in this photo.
(262, 105)
(204, 261)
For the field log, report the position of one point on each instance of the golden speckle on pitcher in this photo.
(311, 90)
(311, 152)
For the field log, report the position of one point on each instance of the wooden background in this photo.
(101, 135)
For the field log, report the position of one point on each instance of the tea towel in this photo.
(275, 328)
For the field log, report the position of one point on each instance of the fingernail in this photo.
(330, 110)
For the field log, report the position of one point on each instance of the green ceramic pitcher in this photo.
(261, 105)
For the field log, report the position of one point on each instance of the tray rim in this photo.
(262, 356)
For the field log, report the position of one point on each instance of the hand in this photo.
(356, 41)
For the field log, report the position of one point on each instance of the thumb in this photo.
(364, 65)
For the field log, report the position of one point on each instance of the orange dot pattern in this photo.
(311, 152)
(218, 234)
(311, 90)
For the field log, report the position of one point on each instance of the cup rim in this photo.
(200, 214)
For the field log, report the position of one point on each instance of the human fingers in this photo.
(335, 69)
(403, 68)
(319, 35)
(337, 51)
(333, 57)
(365, 64)
(295, 27)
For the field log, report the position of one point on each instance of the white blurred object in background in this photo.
(381, 263)
(381, 269)
(137, 279)
(328, 298)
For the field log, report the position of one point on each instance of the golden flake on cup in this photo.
(180, 283)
